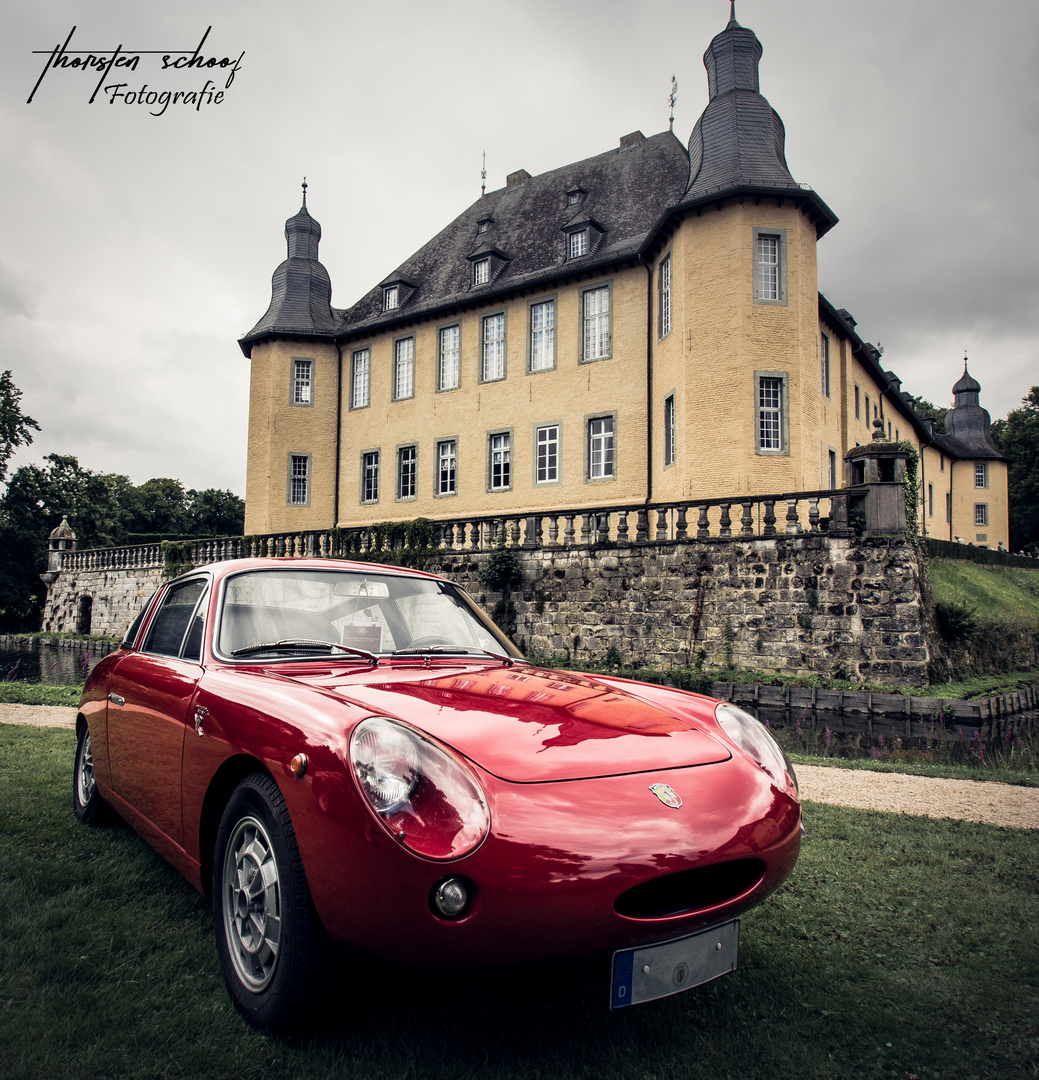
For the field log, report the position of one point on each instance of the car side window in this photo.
(176, 620)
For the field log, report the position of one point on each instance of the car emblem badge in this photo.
(666, 794)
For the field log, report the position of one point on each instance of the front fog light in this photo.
(451, 897)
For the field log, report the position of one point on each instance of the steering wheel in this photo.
(429, 641)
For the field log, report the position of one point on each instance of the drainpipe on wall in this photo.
(339, 428)
(649, 381)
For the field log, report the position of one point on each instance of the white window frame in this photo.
(449, 351)
(771, 413)
(391, 298)
(499, 461)
(542, 318)
(547, 453)
(578, 244)
(369, 477)
(492, 347)
(482, 271)
(981, 474)
(403, 368)
(596, 323)
(447, 468)
(298, 491)
(302, 381)
(407, 470)
(769, 266)
(981, 513)
(665, 296)
(361, 378)
(669, 430)
(602, 447)
(824, 363)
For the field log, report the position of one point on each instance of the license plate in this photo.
(658, 971)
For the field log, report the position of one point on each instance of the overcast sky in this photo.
(137, 249)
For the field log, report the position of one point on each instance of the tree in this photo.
(1018, 438)
(927, 408)
(15, 427)
(215, 513)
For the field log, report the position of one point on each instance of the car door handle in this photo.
(115, 699)
(201, 712)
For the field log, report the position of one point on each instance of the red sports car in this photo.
(344, 754)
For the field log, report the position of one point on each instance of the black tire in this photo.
(87, 803)
(274, 953)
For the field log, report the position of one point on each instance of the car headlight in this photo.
(422, 794)
(753, 739)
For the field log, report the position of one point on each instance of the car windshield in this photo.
(286, 612)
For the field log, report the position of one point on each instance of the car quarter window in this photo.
(175, 623)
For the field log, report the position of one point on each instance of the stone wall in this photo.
(849, 608)
(805, 603)
(116, 597)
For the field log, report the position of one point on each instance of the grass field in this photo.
(901, 947)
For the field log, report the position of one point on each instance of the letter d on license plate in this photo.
(661, 970)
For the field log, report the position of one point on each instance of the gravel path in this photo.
(969, 800)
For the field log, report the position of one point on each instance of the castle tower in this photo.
(294, 401)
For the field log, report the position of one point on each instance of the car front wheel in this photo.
(87, 803)
(273, 950)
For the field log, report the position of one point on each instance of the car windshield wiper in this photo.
(455, 650)
(305, 645)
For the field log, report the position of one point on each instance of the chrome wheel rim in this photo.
(85, 771)
(252, 904)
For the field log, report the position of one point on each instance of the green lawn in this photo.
(901, 947)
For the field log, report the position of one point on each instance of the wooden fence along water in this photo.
(894, 715)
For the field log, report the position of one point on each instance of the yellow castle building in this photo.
(639, 327)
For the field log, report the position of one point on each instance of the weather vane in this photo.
(483, 175)
(672, 98)
(304, 191)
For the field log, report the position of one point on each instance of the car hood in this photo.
(532, 725)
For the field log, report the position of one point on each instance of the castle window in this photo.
(669, 430)
(361, 379)
(370, 477)
(578, 244)
(447, 465)
(980, 475)
(543, 335)
(769, 266)
(824, 358)
(391, 298)
(492, 353)
(665, 296)
(403, 368)
(302, 381)
(858, 413)
(930, 500)
(407, 461)
(601, 458)
(596, 324)
(770, 391)
(981, 513)
(832, 469)
(481, 271)
(299, 480)
(867, 410)
(546, 463)
(500, 461)
(941, 463)
(448, 368)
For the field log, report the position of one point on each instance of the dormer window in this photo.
(485, 265)
(574, 196)
(484, 224)
(391, 298)
(583, 235)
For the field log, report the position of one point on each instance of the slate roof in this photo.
(629, 197)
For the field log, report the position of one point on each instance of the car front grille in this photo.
(689, 890)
